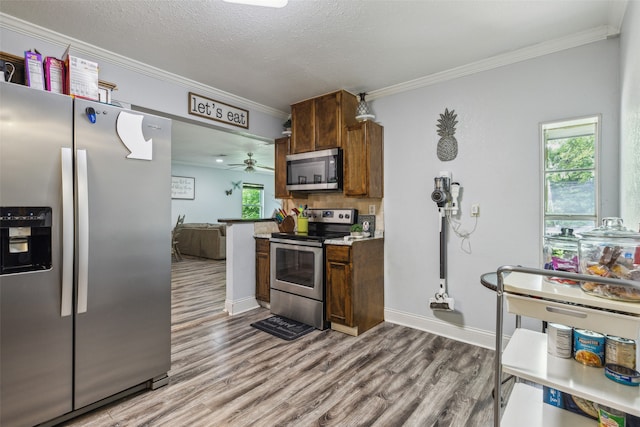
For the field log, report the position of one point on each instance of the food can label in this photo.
(559, 340)
(620, 351)
(610, 418)
(588, 348)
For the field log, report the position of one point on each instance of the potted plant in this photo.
(356, 230)
(287, 126)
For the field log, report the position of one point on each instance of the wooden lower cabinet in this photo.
(355, 285)
(263, 269)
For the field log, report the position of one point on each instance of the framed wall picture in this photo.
(183, 187)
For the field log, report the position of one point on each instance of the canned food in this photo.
(610, 417)
(622, 374)
(588, 347)
(559, 340)
(620, 351)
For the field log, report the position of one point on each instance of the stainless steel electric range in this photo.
(298, 265)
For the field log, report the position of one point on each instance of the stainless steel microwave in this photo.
(315, 171)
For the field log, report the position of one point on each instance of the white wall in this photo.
(136, 84)
(211, 202)
(498, 165)
(630, 117)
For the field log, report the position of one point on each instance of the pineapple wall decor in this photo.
(447, 145)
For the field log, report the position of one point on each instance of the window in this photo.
(570, 175)
(252, 201)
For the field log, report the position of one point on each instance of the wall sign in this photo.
(218, 111)
(183, 187)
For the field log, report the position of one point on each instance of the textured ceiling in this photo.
(276, 57)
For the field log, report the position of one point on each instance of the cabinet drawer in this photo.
(580, 317)
(338, 253)
(262, 245)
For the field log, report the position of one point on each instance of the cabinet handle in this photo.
(564, 311)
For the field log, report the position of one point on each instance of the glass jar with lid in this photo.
(611, 251)
(561, 254)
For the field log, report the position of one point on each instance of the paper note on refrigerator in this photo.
(129, 128)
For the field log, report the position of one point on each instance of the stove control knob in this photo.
(340, 216)
(346, 216)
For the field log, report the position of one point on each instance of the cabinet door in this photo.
(356, 171)
(339, 286)
(263, 270)
(328, 126)
(281, 151)
(363, 175)
(302, 127)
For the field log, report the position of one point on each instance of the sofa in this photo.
(203, 240)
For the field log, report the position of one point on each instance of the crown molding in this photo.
(530, 52)
(82, 48)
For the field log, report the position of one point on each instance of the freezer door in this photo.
(36, 350)
(123, 249)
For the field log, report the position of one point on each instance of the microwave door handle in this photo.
(66, 302)
(83, 231)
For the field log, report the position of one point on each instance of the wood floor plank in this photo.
(226, 373)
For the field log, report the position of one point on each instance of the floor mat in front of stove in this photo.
(282, 327)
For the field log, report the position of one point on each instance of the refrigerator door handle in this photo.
(83, 230)
(66, 303)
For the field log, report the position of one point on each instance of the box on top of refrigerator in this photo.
(33, 71)
(82, 77)
(54, 71)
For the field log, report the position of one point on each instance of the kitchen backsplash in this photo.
(337, 200)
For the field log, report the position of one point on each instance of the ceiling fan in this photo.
(250, 164)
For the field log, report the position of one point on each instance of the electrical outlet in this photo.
(372, 209)
(475, 210)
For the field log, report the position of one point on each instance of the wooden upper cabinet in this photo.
(363, 160)
(302, 127)
(327, 118)
(281, 150)
(321, 122)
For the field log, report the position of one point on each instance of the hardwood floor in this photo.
(226, 373)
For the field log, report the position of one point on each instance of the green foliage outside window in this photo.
(252, 202)
(570, 175)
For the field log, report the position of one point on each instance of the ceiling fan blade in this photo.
(264, 167)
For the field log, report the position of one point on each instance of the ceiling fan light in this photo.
(249, 169)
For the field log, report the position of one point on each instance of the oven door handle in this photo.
(312, 244)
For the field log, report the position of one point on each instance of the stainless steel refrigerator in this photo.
(85, 261)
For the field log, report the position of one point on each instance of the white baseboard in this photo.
(240, 306)
(465, 334)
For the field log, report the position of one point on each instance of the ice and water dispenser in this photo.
(25, 235)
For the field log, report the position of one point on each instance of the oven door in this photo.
(298, 268)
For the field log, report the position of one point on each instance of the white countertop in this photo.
(348, 240)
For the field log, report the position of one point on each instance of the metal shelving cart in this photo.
(525, 356)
